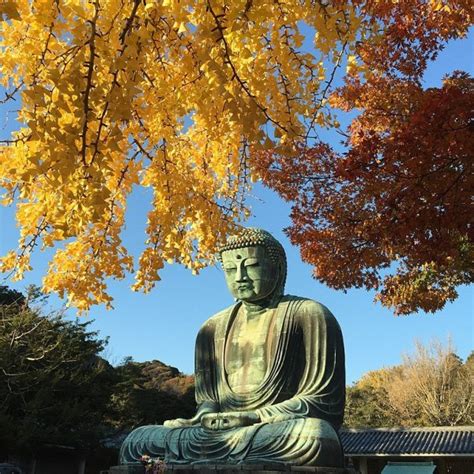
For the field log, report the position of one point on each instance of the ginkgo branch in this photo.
(235, 74)
(89, 84)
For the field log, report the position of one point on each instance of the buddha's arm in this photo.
(320, 392)
(205, 379)
(203, 410)
(296, 407)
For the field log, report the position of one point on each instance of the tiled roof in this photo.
(408, 441)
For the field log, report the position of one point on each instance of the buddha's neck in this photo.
(255, 308)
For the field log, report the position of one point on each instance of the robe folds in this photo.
(300, 400)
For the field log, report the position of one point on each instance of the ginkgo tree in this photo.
(180, 96)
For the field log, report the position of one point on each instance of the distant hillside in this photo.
(150, 393)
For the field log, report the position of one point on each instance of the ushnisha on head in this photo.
(254, 263)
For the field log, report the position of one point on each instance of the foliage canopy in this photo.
(188, 98)
(399, 197)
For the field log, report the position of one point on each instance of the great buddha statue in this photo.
(270, 381)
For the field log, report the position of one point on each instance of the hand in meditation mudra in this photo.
(270, 382)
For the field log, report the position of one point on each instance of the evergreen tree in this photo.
(54, 386)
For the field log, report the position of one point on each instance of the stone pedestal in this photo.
(256, 468)
(126, 470)
(213, 469)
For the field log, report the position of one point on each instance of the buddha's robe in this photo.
(300, 397)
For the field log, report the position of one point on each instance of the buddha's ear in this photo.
(281, 277)
(279, 269)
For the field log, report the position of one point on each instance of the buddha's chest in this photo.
(248, 350)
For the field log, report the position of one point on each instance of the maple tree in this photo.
(193, 99)
(392, 211)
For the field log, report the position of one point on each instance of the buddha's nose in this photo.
(241, 274)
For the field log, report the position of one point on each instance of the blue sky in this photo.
(163, 324)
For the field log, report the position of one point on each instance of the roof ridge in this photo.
(414, 428)
(435, 440)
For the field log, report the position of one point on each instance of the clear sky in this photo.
(163, 324)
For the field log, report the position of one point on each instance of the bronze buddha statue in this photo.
(270, 380)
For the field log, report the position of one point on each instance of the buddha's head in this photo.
(254, 265)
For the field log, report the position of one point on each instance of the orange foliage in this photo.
(392, 211)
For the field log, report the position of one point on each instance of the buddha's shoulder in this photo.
(307, 307)
(219, 317)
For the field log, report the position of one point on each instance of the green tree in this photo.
(54, 386)
(367, 402)
(10, 297)
(470, 364)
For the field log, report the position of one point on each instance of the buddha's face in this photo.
(250, 274)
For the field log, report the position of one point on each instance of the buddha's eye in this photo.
(230, 269)
(252, 262)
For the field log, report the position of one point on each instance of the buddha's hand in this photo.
(181, 423)
(227, 421)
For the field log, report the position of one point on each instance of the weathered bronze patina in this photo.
(269, 374)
